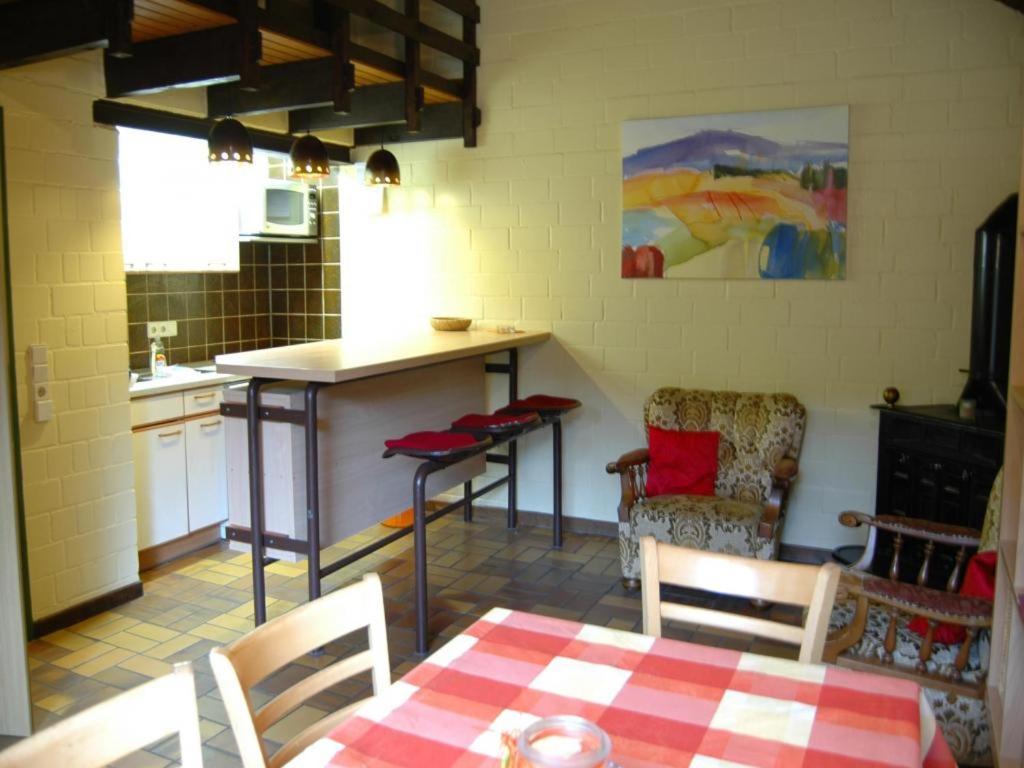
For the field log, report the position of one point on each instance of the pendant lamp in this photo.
(229, 141)
(309, 158)
(382, 169)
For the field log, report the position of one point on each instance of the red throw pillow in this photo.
(979, 581)
(682, 462)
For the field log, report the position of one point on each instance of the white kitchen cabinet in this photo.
(207, 472)
(161, 498)
(178, 211)
(180, 472)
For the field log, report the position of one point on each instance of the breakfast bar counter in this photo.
(338, 360)
(320, 412)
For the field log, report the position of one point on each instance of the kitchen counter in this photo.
(181, 379)
(305, 467)
(338, 360)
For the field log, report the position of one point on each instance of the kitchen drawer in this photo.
(203, 400)
(149, 410)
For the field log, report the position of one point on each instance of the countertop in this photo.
(182, 378)
(338, 360)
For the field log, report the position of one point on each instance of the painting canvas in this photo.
(749, 195)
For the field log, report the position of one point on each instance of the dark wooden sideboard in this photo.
(934, 465)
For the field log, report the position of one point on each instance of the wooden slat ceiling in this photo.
(164, 18)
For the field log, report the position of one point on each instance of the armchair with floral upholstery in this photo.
(871, 628)
(759, 444)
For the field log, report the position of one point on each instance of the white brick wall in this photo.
(934, 90)
(69, 293)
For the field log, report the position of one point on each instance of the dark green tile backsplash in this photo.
(282, 294)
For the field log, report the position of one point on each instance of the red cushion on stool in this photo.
(493, 420)
(543, 403)
(431, 441)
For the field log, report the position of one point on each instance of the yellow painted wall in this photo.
(526, 227)
(69, 293)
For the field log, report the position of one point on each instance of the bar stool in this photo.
(500, 426)
(438, 450)
(551, 410)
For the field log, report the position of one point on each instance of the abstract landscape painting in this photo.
(748, 195)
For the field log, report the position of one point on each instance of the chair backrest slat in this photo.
(807, 586)
(308, 687)
(118, 727)
(265, 650)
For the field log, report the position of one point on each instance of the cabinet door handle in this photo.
(172, 433)
(207, 424)
(207, 396)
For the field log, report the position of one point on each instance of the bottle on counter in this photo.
(157, 358)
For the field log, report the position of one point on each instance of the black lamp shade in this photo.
(309, 158)
(229, 141)
(382, 168)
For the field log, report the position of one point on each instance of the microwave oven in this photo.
(279, 211)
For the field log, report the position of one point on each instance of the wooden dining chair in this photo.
(119, 726)
(260, 653)
(809, 586)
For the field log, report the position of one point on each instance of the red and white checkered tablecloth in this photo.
(662, 702)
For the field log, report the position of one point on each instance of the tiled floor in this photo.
(202, 601)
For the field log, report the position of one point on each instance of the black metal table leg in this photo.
(419, 505)
(252, 404)
(556, 442)
(467, 494)
(312, 491)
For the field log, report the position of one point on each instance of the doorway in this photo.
(15, 709)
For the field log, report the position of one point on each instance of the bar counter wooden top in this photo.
(338, 360)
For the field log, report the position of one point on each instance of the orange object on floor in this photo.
(401, 520)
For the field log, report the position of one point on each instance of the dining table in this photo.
(663, 702)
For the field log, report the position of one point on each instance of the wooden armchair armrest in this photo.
(933, 533)
(782, 476)
(894, 597)
(785, 470)
(632, 471)
(628, 460)
(939, 533)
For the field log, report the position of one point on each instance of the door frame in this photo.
(15, 704)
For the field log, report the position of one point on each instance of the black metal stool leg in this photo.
(252, 404)
(312, 492)
(467, 494)
(419, 504)
(556, 442)
(513, 460)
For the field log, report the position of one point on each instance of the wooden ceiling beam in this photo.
(468, 9)
(437, 121)
(130, 116)
(34, 30)
(209, 56)
(295, 85)
(371, 105)
(413, 71)
(411, 29)
(274, 19)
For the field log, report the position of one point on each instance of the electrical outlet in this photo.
(163, 329)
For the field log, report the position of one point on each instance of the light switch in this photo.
(37, 354)
(40, 374)
(43, 410)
